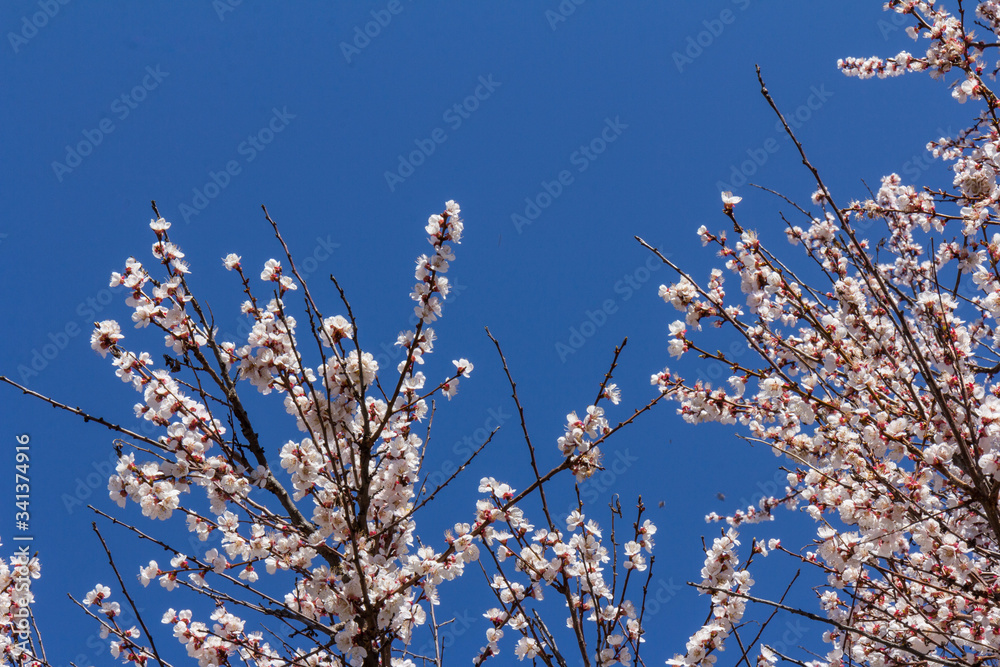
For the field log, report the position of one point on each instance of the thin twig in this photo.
(815, 617)
(77, 411)
(135, 610)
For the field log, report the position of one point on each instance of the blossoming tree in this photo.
(335, 526)
(874, 375)
(878, 382)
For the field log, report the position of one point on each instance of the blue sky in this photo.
(563, 130)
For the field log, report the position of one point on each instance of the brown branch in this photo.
(131, 602)
(80, 413)
(840, 626)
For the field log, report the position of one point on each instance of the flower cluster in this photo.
(123, 646)
(950, 46)
(574, 562)
(879, 382)
(719, 577)
(578, 444)
(338, 517)
(356, 464)
(226, 637)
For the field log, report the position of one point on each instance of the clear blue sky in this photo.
(561, 133)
